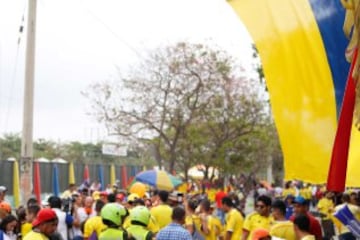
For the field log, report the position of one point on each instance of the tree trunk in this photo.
(206, 172)
(157, 155)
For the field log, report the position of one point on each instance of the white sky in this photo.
(81, 41)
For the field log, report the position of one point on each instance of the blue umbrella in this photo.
(55, 180)
(159, 179)
(101, 177)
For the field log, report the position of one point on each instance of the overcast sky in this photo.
(80, 42)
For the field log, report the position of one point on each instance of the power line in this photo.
(107, 27)
(13, 76)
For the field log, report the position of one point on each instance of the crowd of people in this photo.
(296, 211)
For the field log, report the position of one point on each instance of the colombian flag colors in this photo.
(302, 46)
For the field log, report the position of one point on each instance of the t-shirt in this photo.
(255, 221)
(215, 228)
(218, 198)
(35, 236)
(94, 224)
(162, 214)
(234, 223)
(283, 230)
(326, 207)
(315, 228)
(25, 228)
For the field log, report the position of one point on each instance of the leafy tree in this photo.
(10, 146)
(177, 91)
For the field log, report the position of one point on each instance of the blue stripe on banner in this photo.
(330, 17)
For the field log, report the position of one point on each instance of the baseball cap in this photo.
(260, 233)
(104, 193)
(120, 196)
(3, 189)
(300, 200)
(44, 215)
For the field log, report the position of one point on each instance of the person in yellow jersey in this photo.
(94, 225)
(211, 226)
(302, 228)
(44, 225)
(140, 217)
(326, 207)
(289, 189)
(233, 220)
(281, 228)
(305, 192)
(31, 213)
(113, 215)
(261, 218)
(162, 213)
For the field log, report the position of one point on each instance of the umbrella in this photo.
(71, 173)
(138, 188)
(55, 178)
(16, 183)
(159, 179)
(37, 182)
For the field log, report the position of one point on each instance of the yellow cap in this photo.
(132, 197)
(96, 195)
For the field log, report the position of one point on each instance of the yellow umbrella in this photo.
(16, 184)
(71, 173)
(112, 174)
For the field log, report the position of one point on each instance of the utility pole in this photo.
(27, 130)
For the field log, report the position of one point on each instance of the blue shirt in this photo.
(173, 231)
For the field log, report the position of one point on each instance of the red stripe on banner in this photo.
(338, 166)
(37, 183)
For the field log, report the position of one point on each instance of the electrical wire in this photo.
(13, 76)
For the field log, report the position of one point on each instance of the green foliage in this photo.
(194, 105)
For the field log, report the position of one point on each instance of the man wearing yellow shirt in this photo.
(44, 225)
(282, 228)
(233, 220)
(162, 213)
(326, 207)
(261, 218)
(94, 225)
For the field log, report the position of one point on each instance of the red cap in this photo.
(104, 193)
(44, 215)
(120, 196)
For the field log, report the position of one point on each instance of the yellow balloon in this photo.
(138, 188)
